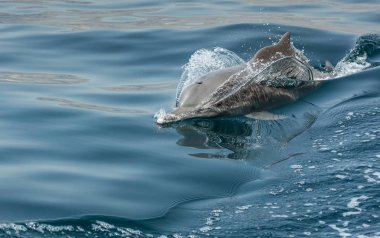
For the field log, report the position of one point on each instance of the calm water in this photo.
(81, 156)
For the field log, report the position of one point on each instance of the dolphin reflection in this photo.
(245, 138)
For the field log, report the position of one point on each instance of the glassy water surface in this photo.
(81, 155)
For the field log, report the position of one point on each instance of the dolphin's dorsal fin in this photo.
(274, 52)
(285, 40)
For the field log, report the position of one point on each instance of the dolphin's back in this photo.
(259, 97)
(283, 79)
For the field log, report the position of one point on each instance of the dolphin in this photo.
(276, 75)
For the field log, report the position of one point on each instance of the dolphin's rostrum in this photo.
(276, 75)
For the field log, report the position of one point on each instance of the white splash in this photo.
(344, 68)
(296, 166)
(204, 61)
(244, 207)
(346, 214)
(355, 201)
(280, 216)
(160, 116)
(342, 231)
(340, 176)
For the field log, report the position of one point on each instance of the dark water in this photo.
(81, 156)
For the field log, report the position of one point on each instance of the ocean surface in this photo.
(82, 156)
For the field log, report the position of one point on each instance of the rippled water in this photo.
(81, 156)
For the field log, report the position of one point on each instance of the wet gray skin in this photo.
(240, 90)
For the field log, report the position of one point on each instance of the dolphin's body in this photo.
(274, 76)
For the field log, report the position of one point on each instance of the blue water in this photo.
(81, 155)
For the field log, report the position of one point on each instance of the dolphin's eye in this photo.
(199, 82)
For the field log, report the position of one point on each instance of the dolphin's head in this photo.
(183, 113)
(273, 52)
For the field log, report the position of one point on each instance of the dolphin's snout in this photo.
(167, 118)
